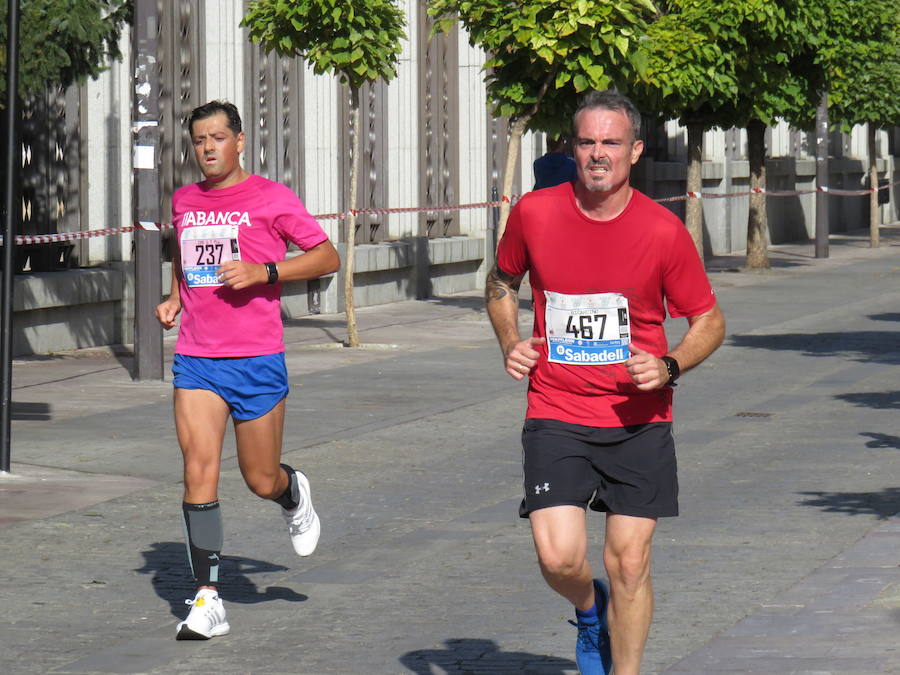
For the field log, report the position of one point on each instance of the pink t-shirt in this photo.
(644, 259)
(251, 221)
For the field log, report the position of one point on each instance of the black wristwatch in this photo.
(672, 367)
(272, 271)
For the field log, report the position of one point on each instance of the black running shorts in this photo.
(625, 470)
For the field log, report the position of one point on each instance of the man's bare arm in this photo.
(706, 333)
(704, 336)
(501, 294)
(168, 309)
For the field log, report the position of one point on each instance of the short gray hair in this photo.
(609, 99)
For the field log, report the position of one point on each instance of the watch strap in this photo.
(272, 271)
(673, 368)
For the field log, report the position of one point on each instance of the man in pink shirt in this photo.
(233, 229)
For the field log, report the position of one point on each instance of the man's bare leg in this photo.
(200, 420)
(560, 540)
(627, 554)
(259, 452)
(259, 457)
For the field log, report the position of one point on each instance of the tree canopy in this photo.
(860, 59)
(64, 41)
(359, 40)
(758, 66)
(728, 62)
(690, 72)
(542, 53)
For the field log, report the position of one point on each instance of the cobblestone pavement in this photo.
(784, 560)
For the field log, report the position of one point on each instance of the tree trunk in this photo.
(693, 208)
(512, 154)
(823, 220)
(873, 184)
(757, 223)
(350, 228)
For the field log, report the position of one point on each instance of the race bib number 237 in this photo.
(585, 330)
(204, 249)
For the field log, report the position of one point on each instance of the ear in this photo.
(240, 142)
(636, 149)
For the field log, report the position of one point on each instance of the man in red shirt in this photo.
(605, 263)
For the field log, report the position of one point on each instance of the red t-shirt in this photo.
(645, 254)
(251, 221)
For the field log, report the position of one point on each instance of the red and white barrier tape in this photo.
(86, 234)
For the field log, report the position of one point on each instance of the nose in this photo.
(208, 144)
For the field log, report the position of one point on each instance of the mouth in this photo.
(597, 169)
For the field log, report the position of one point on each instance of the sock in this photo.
(286, 499)
(587, 616)
(203, 535)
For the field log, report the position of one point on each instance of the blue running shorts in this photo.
(250, 385)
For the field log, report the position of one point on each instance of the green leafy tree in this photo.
(543, 54)
(860, 59)
(64, 41)
(762, 45)
(689, 75)
(776, 79)
(359, 41)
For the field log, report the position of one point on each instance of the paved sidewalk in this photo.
(784, 560)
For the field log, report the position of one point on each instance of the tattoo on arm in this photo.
(499, 284)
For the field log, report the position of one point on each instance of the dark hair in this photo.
(556, 143)
(214, 108)
(609, 99)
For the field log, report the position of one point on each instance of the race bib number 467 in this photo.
(204, 249)
(584, 330)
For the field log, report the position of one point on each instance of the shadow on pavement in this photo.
(887, 316)
(867, 345)
(167, 563)
(735, 263)
(881, 440)
(475, 303)
(888, 400)
(473, 655)
(883, 504)
(331, 329)
(472, 302)
(26, 410)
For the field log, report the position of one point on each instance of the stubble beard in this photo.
(599, 184)
(602, 186)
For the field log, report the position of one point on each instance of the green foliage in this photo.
(541, 51)
(727, 62)
(688, 73)
(359, 40)
(64, 41)
(859, 55)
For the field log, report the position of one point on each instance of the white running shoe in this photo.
(206, 618)
(303, 522)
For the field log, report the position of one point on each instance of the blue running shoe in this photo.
(592, 650)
